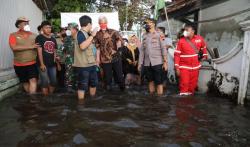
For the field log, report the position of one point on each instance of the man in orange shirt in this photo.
(24, 49)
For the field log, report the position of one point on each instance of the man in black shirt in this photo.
(47, 59)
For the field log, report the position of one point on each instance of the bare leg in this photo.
(51, 89)
(26, 87)
(128, 79)
(32, 85)
(151, 87)
(81, 94)
(45, 91)
(138, 80)
(160, 90)
(92, 91)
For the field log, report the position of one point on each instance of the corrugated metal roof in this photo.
(45, 5)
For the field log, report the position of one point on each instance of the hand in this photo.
(43, 67)
(135, 63)
(177, 72)
(139, 68)
(93, 33)
(98, 62)
(59, 67)
(36, 45)
(129, 61)
(165, 66)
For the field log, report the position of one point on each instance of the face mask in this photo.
(26, 28)
(186, 33)
(68, 32)
(103, 26)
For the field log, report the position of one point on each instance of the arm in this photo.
(141, 56)
(164, 51)
(15, 47)
(177, 54)
(40, 57)
(85, 44)
(164, 54)
(204, 49)
(98, 52)
(98, 57)
(97, 43)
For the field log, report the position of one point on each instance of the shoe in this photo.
(185, 94)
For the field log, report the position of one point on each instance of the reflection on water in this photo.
(132, 118)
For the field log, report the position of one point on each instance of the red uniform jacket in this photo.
(185, 56)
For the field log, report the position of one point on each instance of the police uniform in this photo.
(152, 54)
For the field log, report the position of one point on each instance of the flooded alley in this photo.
(116, 119)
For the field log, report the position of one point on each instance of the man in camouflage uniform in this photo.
(69, 60)
(61, 59)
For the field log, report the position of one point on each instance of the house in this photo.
(225, 26)
(10, 10)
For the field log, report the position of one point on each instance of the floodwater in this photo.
(128, 119)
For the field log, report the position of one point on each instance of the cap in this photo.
(24, 19)
(73, 25)
(20, 20)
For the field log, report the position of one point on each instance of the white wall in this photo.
(10, 10)
(224, 33)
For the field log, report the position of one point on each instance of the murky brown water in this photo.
(116, 119)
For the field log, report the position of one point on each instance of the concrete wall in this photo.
(224, 33)
(10, 10)
(175, 26)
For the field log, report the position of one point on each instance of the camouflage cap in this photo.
(73, 25)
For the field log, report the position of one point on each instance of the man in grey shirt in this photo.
(153, 56)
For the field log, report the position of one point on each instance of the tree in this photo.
(68, 6)
(137, 9)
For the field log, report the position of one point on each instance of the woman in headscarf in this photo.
(131, 56)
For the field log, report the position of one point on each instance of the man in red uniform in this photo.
(190, 52)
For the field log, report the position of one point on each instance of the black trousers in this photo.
(61, 76)
(113, 69)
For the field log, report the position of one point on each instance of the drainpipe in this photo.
(245, 62)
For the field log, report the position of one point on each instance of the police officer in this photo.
(153, 56)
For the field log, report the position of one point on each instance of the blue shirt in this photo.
(81, 38)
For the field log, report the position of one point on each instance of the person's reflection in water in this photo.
(190, 118)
